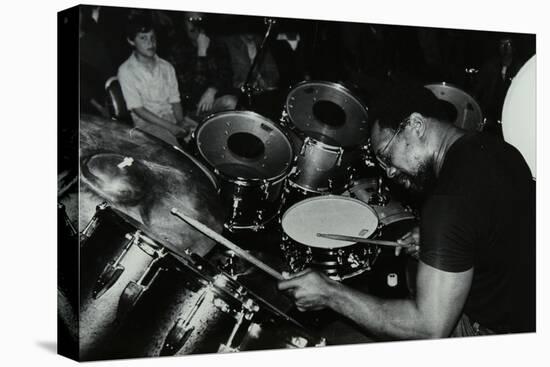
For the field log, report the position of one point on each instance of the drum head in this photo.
(463, 109)
(329, 214)
(244, 145)
(328, 112)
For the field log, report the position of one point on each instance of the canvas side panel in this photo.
(67, 170)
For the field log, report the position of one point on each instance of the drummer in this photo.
(476, 272)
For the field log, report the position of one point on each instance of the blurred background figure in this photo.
(494, 79)
(202, 66)
(96, 65)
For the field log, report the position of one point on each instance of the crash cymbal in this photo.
(144, 178)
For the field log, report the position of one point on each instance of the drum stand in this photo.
(246, 88)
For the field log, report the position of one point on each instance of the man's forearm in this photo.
(385, 317)
(154, 119)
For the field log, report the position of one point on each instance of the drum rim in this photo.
(477, 106)
(334, 85)
(243, 181)
(330, 197)
(454, 86)
(324, 146)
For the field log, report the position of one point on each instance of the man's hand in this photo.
(311, 290)
(203, 42)
(207, 100)
(412, 242)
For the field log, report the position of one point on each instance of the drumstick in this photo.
(340, 237)
(230, 245)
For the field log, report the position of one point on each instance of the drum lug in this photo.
(108, 277)
(129, 297)
(110, 273)
(340, 155)
(176, 338)
(182, 329)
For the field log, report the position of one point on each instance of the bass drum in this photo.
(251, 156)
(140, 299)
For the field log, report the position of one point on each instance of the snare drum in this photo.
(329, 214)
(140, 299)
(252, 157)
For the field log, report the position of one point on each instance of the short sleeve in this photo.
(174, 94)
(448, 233)
(130, 90)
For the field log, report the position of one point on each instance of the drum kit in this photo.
(145, 286)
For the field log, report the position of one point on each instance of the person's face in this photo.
(145, 44)
(193, 22)
(505, 46)
(401, 155)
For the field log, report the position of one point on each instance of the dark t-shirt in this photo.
(482, 216)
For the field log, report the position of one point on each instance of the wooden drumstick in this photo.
(340, 237)
(225, 242)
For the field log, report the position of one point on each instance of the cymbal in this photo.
(143, 178)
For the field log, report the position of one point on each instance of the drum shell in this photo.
(338, 263)
(251, 204)
(320, 167)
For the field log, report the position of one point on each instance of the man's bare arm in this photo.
(432, 314)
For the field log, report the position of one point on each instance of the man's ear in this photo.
(130, 42)
(418, 123)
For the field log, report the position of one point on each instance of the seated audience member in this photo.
(202, 68)
(150, 87)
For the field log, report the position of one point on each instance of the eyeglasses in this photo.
(385, 161)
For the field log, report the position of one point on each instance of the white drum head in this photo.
(519, 113)
(329, 214)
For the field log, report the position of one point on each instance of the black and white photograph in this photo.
(273, 180)
(242, 183)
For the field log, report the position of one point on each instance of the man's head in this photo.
(194, 25)
(401, 135)
(141, 35)
(506, 46)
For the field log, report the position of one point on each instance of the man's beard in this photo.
(419, 184)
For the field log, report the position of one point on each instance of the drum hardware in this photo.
(225, 242)
(168, 303)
